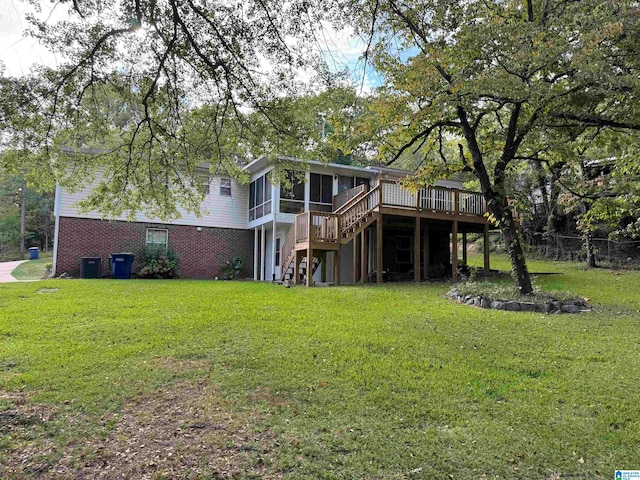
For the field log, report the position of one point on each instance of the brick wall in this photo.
(201, 254)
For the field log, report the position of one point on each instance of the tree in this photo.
(498, 79)
(154, 65)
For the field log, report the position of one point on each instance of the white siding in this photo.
(219, 210)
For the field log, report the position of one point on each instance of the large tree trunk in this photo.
(513, 244)
(496, 198)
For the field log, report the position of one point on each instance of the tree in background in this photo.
(26, 217)
(496, 78)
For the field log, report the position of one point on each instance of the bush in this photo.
(158, 263)
(231, 269)
(501, 292)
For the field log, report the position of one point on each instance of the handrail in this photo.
(359, 209)
(287, 248)
(350, 195)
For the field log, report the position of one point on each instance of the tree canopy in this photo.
(504, 81)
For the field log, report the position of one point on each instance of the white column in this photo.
(307, 191)
(273, 250)
(263, 254)
(255, 254)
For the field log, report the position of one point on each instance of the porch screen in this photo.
(259, 198)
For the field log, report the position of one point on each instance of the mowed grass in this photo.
(362, 382)
(33, 269)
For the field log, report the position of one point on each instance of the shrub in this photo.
(231, 269)
(158, 263)
(502, 291)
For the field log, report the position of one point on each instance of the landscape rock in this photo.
(512, 306)
(554, 307)
(543, 307)
(496, 305)
(570, 308)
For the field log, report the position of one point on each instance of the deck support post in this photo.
(426, 251)
(416, 250)
(354, 267)
(296, 267)
(379, 248)
(363, 256)
(454, 251)
(336, 266)
(309, 265)
(323, 267)
(464, 248)
(486, 250)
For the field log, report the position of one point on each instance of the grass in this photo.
(361, 382)
(33, 269)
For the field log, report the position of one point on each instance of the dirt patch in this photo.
(186, 431)
(180, 365)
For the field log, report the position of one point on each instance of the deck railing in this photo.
(359, 209)
(471, 203)
(324, 226)
(331, 227)
(438, 199)
(343, 198)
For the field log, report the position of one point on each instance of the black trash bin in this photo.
(34, 253)
(91, 267)
(121, 264)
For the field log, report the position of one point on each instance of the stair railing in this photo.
(359, 209)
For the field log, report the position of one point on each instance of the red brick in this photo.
(201, 253)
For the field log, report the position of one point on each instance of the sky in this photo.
(340, 48)
(16, 52)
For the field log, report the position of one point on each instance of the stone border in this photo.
(555, 307)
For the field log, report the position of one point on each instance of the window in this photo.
(278, 251)
(347, 183)
(404, 249)
(292, 199)
(157, 237)
(205, 184)
(259, 197)
(321, 192)
(225, 187)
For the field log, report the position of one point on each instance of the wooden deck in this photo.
(322, 231)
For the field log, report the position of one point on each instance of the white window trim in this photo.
(165, 230)
(225, 188)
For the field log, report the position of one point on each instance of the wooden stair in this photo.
(327, 231)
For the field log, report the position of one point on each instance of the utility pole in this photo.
(23, 216)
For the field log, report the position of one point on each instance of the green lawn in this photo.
(345, 382)
(33, 269)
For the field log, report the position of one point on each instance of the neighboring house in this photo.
(347, 219)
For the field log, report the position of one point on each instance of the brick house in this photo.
(346, 219)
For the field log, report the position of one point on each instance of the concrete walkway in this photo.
(5, 270)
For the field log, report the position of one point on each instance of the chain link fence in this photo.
(572, 248)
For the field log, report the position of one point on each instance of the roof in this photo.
(262, 162)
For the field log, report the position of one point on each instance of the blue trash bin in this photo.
(34, 253)
(121, 264)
